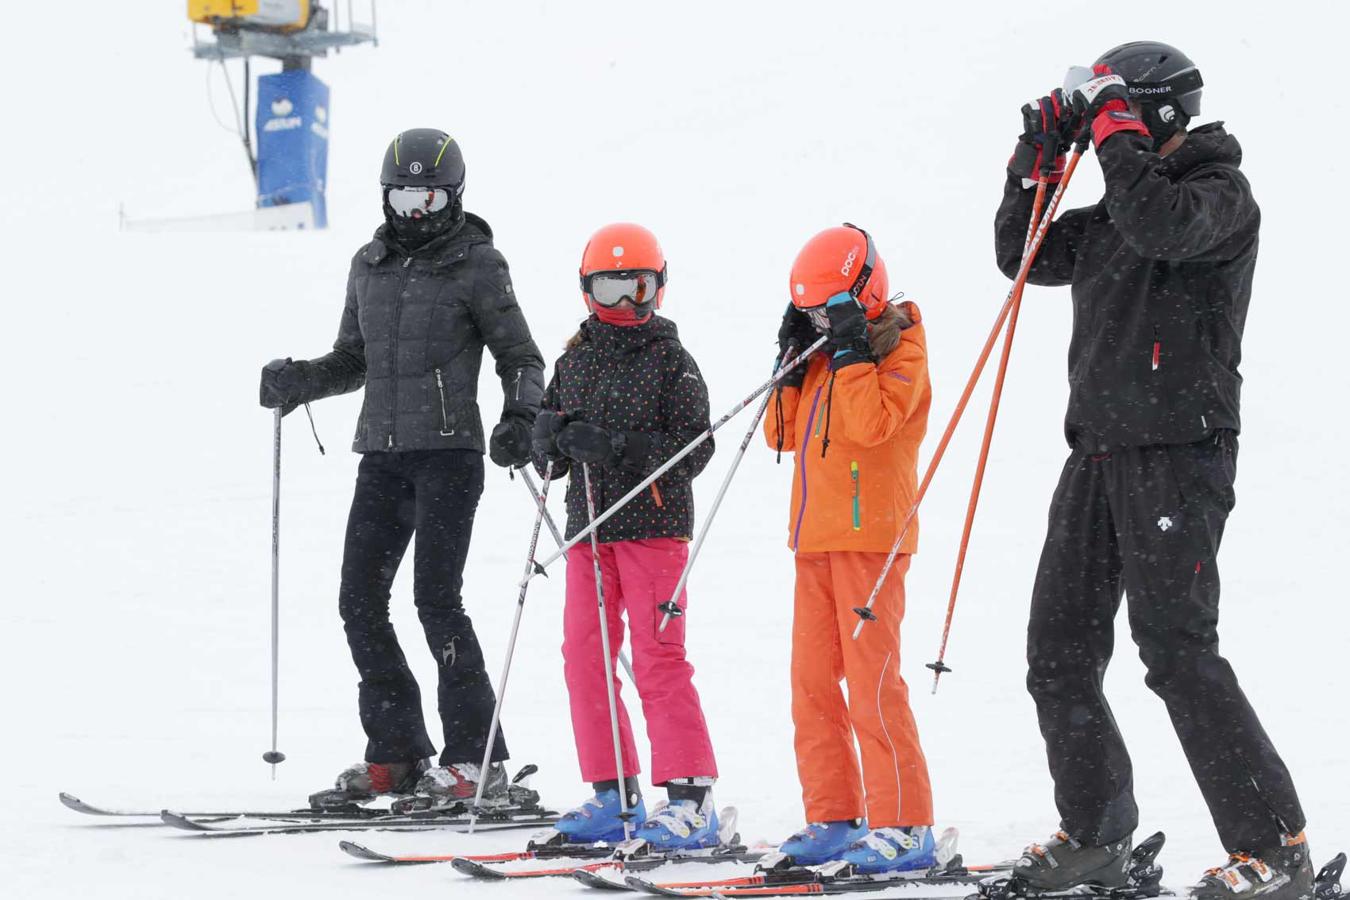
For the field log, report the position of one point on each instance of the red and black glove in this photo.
(1049, 126)
(1103, 101)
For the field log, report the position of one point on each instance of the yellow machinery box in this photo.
(284, 14)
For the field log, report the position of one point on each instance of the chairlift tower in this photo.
(290, 163)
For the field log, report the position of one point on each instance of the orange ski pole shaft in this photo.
(1037, 230)
(1019, 287)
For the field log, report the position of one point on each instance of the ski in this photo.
(72, 802)
(598, 881)
(460, 822)
(830, 878)
(653, 860)
(361, 852)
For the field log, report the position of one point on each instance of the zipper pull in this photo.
(519, 372)
(407, 262)
(1157, 354)
(390, 444)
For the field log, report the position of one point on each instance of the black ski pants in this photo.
(434, 493)
(1147, 521)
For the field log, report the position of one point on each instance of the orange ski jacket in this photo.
(856, 495)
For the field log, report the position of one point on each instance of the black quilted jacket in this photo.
(413, 331)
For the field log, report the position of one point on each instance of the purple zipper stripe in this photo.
(901, 377)
(801, 461)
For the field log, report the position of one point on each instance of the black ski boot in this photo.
(365, 781)
(1063, 863)
(1284, 873)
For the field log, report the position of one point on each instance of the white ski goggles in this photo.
(612, 288)
(416, 202)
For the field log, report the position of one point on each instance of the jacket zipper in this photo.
(446, 430)
(519, 372)
(393, 353)
(656, 495)
(801, 463)
(857, 498)
(1157, 349)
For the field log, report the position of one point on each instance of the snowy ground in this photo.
(136, 488)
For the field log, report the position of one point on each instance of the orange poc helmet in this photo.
(623, 254)
(840, 260)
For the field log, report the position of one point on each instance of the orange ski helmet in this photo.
(623, 261)
(840, 260)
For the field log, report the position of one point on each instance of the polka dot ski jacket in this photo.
(633, 378)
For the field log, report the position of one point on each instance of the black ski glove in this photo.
(545, 437)
(509, 445)
(587, 443)
(592, 444)
(848, 332)
(796, 334)
(283, 385)
(1049, 126)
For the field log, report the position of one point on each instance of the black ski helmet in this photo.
(1162, 79)
(423, 157)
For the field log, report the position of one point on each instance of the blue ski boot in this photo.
(907, 849)
(821, 842)
(682, 825)
(598, 819)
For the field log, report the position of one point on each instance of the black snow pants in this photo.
(1147, 521)
(435, 493)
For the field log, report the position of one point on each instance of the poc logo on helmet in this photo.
(415, 167)
(1167, 113)
(848, 262)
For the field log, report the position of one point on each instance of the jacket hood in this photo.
(473, 230)
(1206, 145)
(623, 338)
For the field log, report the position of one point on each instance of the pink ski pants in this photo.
(637, 577)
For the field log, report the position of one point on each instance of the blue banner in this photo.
(293, 141)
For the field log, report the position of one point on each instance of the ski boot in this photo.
(906, 849)
(1062, 863)
(1284, 873)
(364, 781)
(600, 818)
(682, 825)
(817, 843)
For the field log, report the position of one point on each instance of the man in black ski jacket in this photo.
(423, 299)
(1161, 274)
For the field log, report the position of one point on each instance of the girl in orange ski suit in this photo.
(856, 434)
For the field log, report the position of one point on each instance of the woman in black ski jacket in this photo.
(423, 299)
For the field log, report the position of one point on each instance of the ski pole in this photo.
(681, 454)
(274, 756)
(671, 608)
(864, 612)
(940, 666)
(558, 539)
(542, 500)
(624, 815)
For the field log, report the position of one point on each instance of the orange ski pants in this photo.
(892, 787)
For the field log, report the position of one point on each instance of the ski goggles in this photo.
(638, 286)
(415, 202)
(819, 318)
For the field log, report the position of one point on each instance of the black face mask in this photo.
(415, 232)
(1163, 120)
